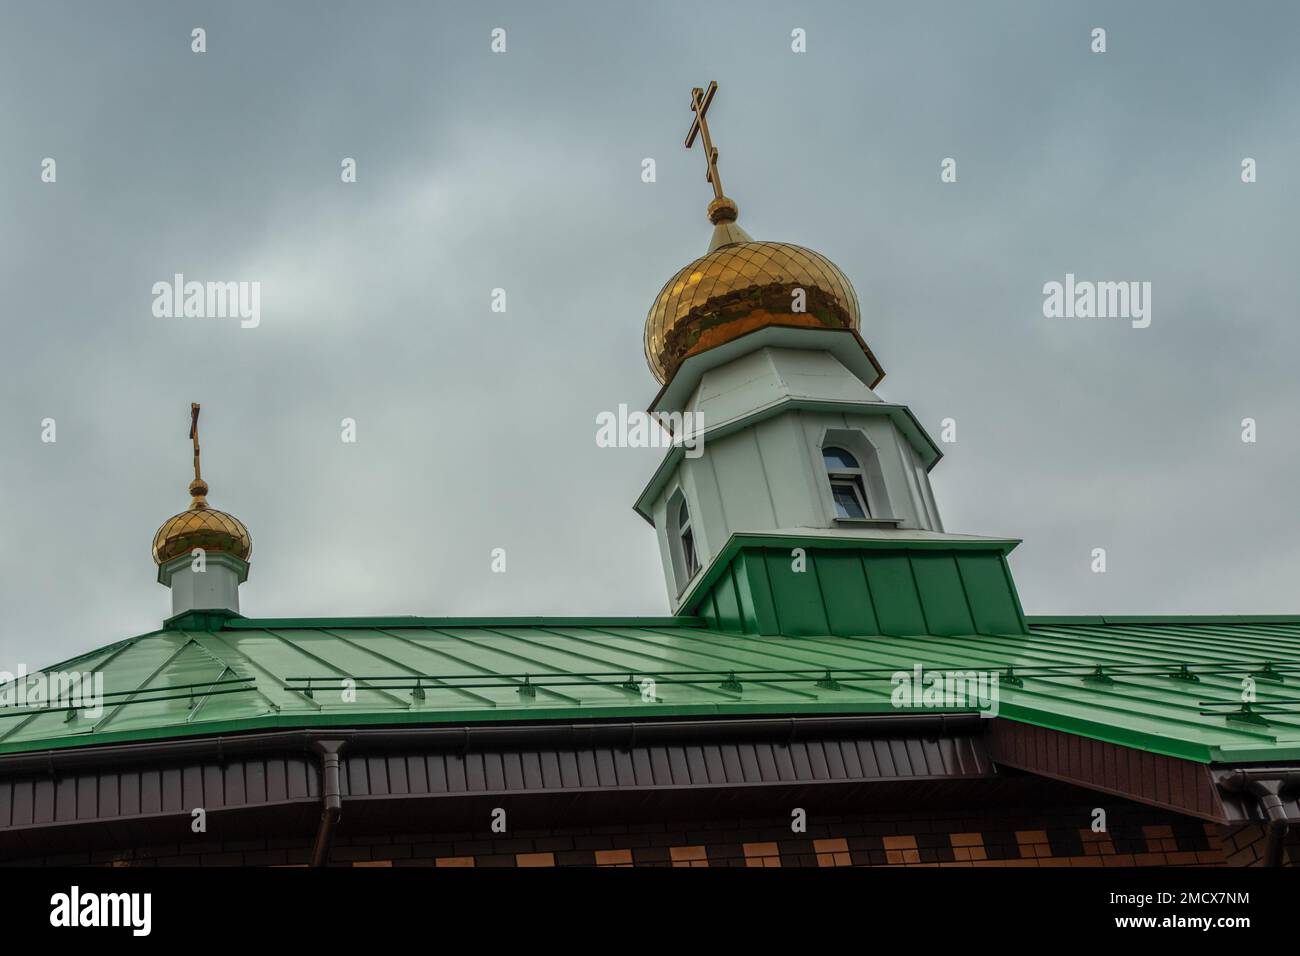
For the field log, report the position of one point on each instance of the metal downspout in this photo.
(1267, 788)
(331, 798)
(1269, 795)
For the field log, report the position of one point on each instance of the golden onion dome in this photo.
(201, 527)
(738, 286)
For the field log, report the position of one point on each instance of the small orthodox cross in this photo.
(700, 100)
(194, 434)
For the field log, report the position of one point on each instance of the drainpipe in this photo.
(1266, 787)
(331, 798)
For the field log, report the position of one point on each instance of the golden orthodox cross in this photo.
(194, 434)
(700, 100)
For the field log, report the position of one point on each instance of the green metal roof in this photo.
(251, 674)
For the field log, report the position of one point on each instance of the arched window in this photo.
(690, 562)
(847, 487)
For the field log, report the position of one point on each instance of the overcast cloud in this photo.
(522, 171)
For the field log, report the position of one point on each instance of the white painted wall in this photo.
(216, 588)
(764, 472)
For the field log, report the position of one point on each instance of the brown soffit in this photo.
(156, 780)
(1167, 782)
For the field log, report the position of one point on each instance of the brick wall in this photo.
(1136, 836)
(1244, 846)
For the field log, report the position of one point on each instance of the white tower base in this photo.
(214, 588)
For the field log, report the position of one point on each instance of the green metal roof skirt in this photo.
(742, 539)
(259, 674)
(1103, 619)
(316, 623)
(860, 585)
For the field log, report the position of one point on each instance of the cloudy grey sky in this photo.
(522, 171)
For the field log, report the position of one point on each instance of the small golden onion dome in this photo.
(739, 286)
(201, 527)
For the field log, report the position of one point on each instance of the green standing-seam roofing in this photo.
(1167, 685)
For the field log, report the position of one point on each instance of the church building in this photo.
(840, 679)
